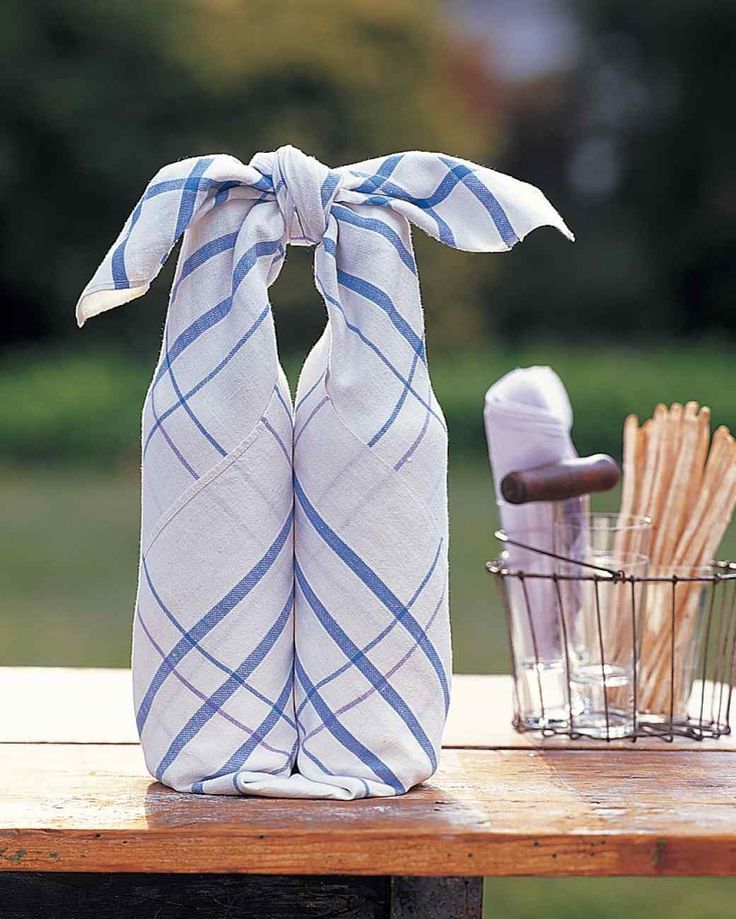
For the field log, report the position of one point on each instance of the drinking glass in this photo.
(603, 560)
(531, 605)
(679, 609)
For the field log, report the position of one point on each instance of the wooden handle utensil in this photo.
(559, 481)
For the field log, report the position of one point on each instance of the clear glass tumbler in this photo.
(532, 613)
(678, 610)
(604, 554)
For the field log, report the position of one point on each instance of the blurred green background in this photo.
(618, 110)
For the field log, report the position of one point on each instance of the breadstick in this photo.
(712, 531)
(628, 492)
(675, 509)
(635, 443)
(692, 540)
(724, 503)
(721, 451)
(665, 470)
(703, 442)
(655, 613)
(655, 646)
(717, 504)
(675, 473)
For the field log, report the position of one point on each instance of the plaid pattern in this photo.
(320, 665)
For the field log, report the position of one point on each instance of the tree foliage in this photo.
(637, 146)
(99, 95)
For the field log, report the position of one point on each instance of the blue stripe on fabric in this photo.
(377, 226)
(417, 440)
(205, 252)
(161, 188)
(392, 190)
(218, 612)
(328, 187)
(377, 351)
(441, 192)
(374, 583)
(444, 232)
(249, 259)
(167, 437)
(117, 265)
(205, 380)
(193, 331)
(320, 765)
(200, 695)
(188, 200)
(311, 389)
(187, 407)
(399, 405)
(323, 401)
(379, 297)
(203, 651)
(215, 702)
(204, 322)
(280, 397)
(383, 633)
(470, 179)
(383, 301)
(360, 660)
(224, 191)
(240, 756)
(343, 735)
(264, 183)
(322, 768)
(277, 437)
(384, 171)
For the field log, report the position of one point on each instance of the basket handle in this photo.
(558, 481)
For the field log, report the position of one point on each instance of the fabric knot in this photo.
(304, 189)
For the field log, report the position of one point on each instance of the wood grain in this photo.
(156, 896)
(560, 481)
(168, 896)
(92, 808)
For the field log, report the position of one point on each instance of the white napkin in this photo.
(528, 420)
(218, 708)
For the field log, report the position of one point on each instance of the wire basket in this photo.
(611, 654)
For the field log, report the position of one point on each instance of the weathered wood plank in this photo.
(436, 898)
(160, 896)
(551, 812)
(72, 705)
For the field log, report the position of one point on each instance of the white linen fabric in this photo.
(319, 667)
(528, 420)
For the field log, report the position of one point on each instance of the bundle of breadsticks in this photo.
(675, 473)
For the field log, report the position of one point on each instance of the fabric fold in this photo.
(313, 665)
(528, 422)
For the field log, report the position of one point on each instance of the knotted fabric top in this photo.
(304, 189)
(292, 632)
(461, 204)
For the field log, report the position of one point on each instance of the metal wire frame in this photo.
(715, 666)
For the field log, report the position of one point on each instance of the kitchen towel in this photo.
(321, 667)
(528, 421)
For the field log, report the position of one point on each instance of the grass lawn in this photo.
(68, 547)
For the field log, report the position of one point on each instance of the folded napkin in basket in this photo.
(528, 420)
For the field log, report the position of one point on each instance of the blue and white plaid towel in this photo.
(292, 634)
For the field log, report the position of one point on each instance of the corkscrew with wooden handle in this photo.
(560, 481)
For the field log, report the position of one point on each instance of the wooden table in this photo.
(84, 831)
